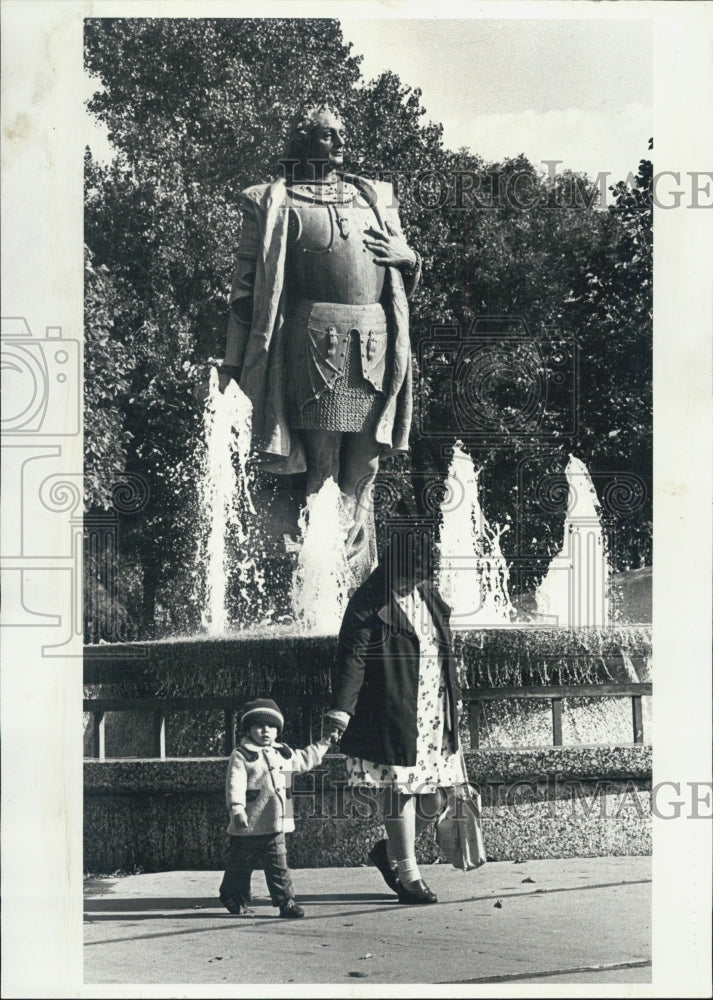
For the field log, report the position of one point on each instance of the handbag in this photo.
(458, 831)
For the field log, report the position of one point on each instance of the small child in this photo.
(257, 791)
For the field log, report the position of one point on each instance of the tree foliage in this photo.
(108, 369)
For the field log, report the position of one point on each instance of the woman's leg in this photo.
(428, 807)
(400, 823)
(400, 820)
(405, 816)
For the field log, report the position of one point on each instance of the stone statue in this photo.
(318, 330)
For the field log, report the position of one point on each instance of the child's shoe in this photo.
(291, 911)
(235, 907)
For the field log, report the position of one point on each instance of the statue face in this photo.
(328, 140)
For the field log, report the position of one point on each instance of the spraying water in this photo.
(575, 589)
(473, 575)
(225, 550)
(320, 585)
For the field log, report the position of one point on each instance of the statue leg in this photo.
(322, 449)
(359, 464)
(357, 471)
(352, 460)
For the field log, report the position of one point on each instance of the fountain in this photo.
(473, 572)
(320, 584)
(473, 575)
(226, 508)
(232, 543)
(575, 589)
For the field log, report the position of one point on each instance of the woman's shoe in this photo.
(416, 892)
(291, 910)
(380, 859)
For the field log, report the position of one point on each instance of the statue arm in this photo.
(389, 244)
(411, 275)
(241, 294)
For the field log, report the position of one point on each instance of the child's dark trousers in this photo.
(267, 851)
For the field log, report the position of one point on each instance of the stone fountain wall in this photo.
(543, 803)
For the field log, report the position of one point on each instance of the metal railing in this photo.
(473, 699)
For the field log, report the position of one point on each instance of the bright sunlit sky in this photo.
(577, 90)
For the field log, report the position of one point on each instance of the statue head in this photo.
(316, 140)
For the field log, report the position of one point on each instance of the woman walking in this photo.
(395, 698)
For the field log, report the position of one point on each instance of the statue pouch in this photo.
(319, 346)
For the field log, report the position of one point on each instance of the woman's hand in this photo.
(390, 249)
(335, 724)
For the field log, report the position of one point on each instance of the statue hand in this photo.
(389, 248)
(223, 381)
(200, 391)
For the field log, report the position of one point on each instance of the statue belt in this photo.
(318, 343)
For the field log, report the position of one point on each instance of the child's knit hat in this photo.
(262, 712)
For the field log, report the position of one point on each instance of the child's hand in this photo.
(336, 722)
(240, 816)
(335, 736)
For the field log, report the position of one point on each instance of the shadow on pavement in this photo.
(193, 903)
(140, 904)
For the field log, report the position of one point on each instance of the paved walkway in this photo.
(578, 920)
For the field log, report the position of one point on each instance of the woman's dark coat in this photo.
(376, 674)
